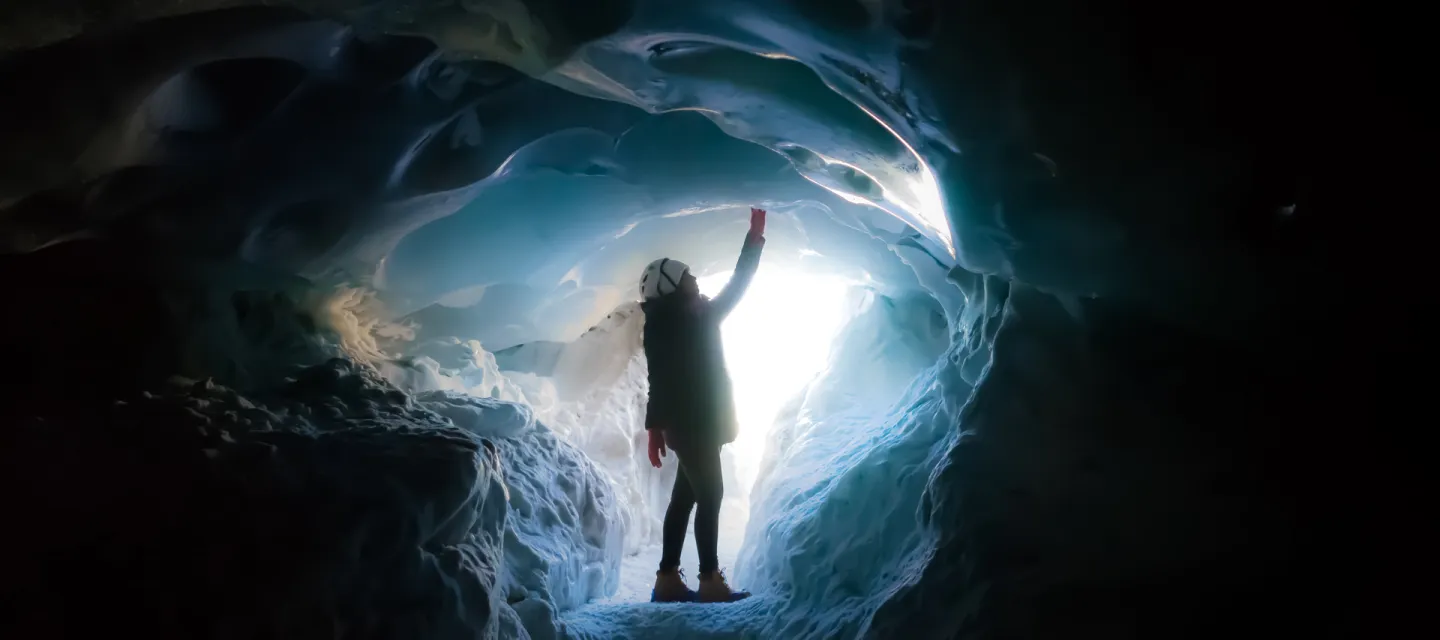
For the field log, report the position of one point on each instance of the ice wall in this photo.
(592, 390)
(1064, 508)
(563, 537)
(376, 494)
(836, 506)
(571, 515)
(330, 504)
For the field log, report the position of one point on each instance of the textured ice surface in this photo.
(563, 538)
(451, 364)
(592, 392)
(595, 178)
(402, 497)
(567, 526)
(557, 529)
(852, 457)
(1108, 464)
(332, 502)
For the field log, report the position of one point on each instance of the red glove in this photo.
(757, 223)
(657, 447)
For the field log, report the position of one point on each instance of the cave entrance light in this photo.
(776, 340)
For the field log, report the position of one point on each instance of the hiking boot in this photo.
(670, 587)
(713, 588)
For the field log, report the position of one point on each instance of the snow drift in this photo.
(413, 496)
(331, 504)
(592, 392)
(834, 510)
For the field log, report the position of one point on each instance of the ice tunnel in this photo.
(1075, 319)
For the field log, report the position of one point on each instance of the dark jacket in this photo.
(690, 396)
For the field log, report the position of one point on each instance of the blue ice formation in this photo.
(563, 533)
(437, 514)
(835, 512)
(333, 489)
(1145, 233)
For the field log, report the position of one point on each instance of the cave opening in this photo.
(815, 353)
(776, 341)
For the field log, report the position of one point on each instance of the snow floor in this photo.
(637, 572)
(604, 621)
(630, 614)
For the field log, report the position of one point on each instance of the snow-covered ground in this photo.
(637, 570)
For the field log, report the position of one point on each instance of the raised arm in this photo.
(725, 302)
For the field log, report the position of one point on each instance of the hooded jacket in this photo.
(690, 393)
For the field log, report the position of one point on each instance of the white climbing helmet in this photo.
(662, 277)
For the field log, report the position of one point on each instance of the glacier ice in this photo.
(857, 434)
(1149, 235)
(368, 483)
(334, 490)
(571, 509)
(563, 537)
(591, 391)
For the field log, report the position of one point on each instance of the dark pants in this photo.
(699, 482)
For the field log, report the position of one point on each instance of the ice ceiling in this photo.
(249, 245)
(409, 151)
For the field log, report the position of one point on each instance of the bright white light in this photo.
(776, 340)
(925, 192)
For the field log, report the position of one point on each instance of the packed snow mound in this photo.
(564, 545)
(836, 507)
(592, 391)
(485, 417)
(568, 524)
(564, 536)
(452, 364)
(333, 504)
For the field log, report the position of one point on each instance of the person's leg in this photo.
(669, 583)
(677, 518)
(708, 486)
(707, 480)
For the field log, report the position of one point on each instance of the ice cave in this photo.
(1073, 319)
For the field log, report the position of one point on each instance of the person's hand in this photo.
(657, 447)
(757, 222)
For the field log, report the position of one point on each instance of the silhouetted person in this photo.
(691, 409)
